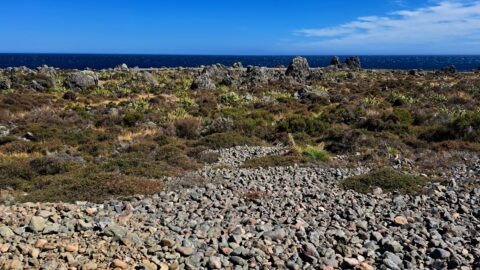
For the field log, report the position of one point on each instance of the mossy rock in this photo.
(389, 180)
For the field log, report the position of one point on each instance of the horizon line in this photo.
(226, 55)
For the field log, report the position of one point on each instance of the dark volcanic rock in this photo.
(5, 83)
(299, 69)
(335, 61)
(82, 80)
(451, 69)
(353, 62)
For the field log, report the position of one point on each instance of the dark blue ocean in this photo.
(103, 61)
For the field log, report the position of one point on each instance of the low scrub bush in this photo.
(313, 126)
(315, 153)
(388, 180)
(132, 118)
(226, 140)
(89, 185)
(272, 161)
(187, 128)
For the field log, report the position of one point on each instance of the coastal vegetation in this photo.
(129, 128)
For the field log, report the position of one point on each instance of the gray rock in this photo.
(276, 235)
(353, 62)
(4, 131)
(51, 229)
(440, 253)
(37, 224)
(237, 65)
(185, 251)
(5, 83)
(80, 81)
(298, 69)
(214, 263)
(307, 93)
(335, 61)
(6, 232)
(238, 260)
(203, 82)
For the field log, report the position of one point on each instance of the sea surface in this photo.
(104, 61)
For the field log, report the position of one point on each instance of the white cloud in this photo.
(445, 27)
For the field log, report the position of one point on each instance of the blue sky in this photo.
(241, 26)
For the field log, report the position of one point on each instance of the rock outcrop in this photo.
(298, 69)
(335, 61)
(353, 62)
(82, 80)
(307, 93)
(451, 69)
(5, 83)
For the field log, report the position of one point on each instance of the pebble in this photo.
(120, 264)
(185, 251)
(401, 220)
(37, 224)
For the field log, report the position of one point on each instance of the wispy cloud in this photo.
(443, 27)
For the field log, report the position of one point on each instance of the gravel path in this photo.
(275, 218)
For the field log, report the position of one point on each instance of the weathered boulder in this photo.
(335, 61)
(307, 93)
(216, 72)
(5, 83)
(450, 69)
(82, 80)
(298, 69)
(40, 80)
(122, 67)
(203, 82)
(209, 76)
(238, 65)
(256, 76)
(149, 79)
(4, 131)
(353, 62)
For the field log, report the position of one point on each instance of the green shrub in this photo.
(399, 99)
(404, 116)
(312, 126)
(315, 153)
(162, 140)
(80, 136)
(230, 98)
(132, 164)
(15, 173)
(463, 127)
(187, 128)
(49, 166)
(89, 185)
(388, 179)
(132, 118)
(226, 140)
